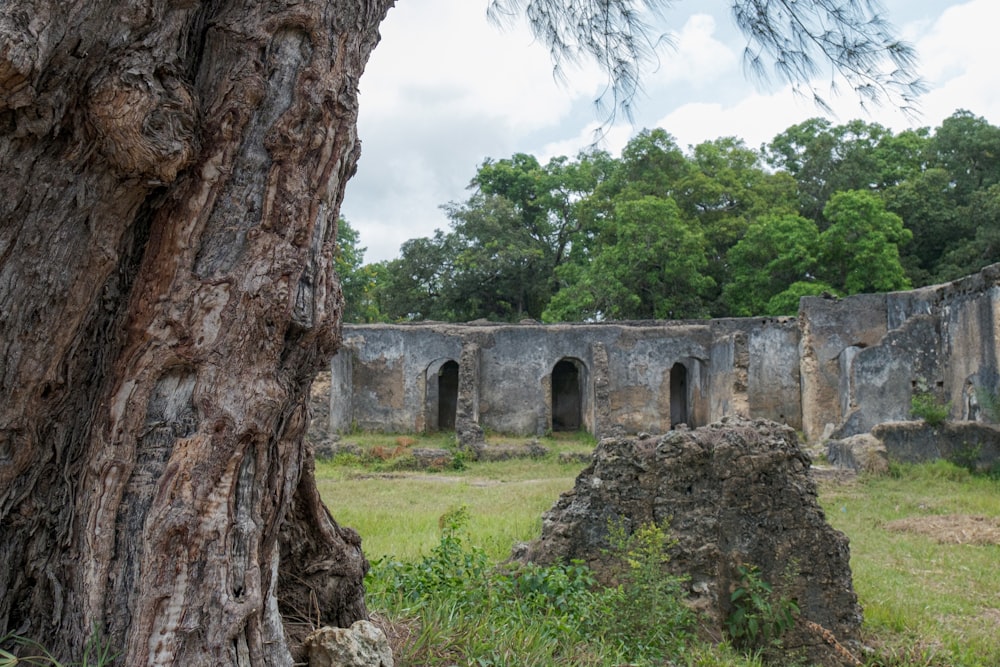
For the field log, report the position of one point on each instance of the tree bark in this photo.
(170, 177)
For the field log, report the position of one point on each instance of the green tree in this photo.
(825, 159)
(983, 248)
(968, 147)
(415, 286)
(928, 205)
(860, 250)
(357, 279)
(787, 301)
(515, 230)
(723, 191)
(776, 252)
(648, 264)
(502, 269)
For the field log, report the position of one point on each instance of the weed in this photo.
(760, 617)
(924, 405)
(645, 613)
(96, 652)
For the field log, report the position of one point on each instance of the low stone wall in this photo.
(969, 444)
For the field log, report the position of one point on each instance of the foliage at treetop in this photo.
(719, 229)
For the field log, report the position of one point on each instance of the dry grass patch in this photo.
(951, 528)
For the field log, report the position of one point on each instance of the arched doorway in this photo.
(567, 396)
(678, 395)
(447, 395)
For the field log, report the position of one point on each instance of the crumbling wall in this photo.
(830, 330)
(383, 377)
(379, 379)
(879, 381)
(970, 334)
(841, 367)
(773, 378)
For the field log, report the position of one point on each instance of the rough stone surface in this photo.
(970, 444)
(361, 645)
(861, 453)
(734, 492)
(431, 457)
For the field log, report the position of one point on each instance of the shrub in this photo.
(545, 615)
(760, 617)
(925, 406)
(646, 613)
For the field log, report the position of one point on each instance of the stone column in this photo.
(602, 391)
(341, 412)
(467, 428)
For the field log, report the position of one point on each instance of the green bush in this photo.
(485, 614)
(645, 614)
(924, 405)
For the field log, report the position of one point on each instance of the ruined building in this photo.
(841, 367)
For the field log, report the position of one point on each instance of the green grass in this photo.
(400, 512)
(925, 603)
(929, 603)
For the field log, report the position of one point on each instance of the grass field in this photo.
(924, 540)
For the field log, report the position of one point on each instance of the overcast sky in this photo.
(444, 90)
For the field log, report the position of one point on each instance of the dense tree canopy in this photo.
(717, 230)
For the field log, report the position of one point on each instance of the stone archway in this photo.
(679, 412)
(567, 395)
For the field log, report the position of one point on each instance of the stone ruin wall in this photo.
(864, 357)
(840, 368)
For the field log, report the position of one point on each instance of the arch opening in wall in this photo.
(567, 395)
(447, 395)
(440, 393)
(679, 395)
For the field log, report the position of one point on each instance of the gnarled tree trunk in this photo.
(170, 177)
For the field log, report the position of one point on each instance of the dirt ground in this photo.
(952, 528)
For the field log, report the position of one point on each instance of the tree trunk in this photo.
(170, 177)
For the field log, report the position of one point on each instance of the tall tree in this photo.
(776, 252)
(968, 147)
(357, 279)
(826, 159)
(171, 176)
(416, 285)
(859, 252)
(725, 191)
(649, 264)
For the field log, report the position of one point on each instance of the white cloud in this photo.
(697, 56)
(442, 58)
(959, 56)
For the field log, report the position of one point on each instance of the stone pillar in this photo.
(602, 391)
(467, 428)
(341, 391)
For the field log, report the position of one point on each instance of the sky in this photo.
(445, 90)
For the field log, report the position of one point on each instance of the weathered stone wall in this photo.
(864, 357)
(840, 368)
(633, 376)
